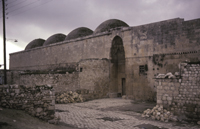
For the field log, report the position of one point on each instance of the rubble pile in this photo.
(168, 75)
(158, 113)
(68, 97)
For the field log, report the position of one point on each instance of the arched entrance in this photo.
(117, 69)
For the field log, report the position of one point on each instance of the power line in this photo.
(6, 6)
(17, 4)
(32, 8)
(11, 2)
(29, 8)
(23, 6)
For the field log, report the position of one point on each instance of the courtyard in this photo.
(113, 113)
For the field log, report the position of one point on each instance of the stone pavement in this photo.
(109, 114)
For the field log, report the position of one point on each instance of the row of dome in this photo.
(77, 33)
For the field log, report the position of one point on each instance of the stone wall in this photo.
(60, 80)
(38, 101)
(160, 46)
(181, 95)
(94, 76)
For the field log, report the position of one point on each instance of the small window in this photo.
(81, 69)
(143, 69)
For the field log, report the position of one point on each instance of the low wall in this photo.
(38, 101)
(60, 82)
(181, 95)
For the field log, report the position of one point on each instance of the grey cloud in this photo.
(63, 16)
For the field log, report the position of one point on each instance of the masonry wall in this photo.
(94, 76)
(160, 46)
(90, 74)
(60, 82)
(181, 95)
(38, 101)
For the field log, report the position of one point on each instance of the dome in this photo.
(109, 24)
(35, 43)
(79, 32)
(54, 39)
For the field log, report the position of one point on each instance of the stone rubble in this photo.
(68, 97)
(168, 75)
(158, 113)
(181, 95)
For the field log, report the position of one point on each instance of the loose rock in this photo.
(158, 113)
(68, 97)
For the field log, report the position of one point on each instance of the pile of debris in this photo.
(68, 97)
(168, 75)
(158, 113)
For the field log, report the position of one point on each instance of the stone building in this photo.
(114, 59)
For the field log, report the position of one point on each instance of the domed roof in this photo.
(109, 24)
(79, 32)
(35, 43)
(54, 39)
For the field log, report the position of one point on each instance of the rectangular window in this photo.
(143, 69)
(81, 69)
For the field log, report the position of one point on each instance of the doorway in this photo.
(117, 73)
(123, 86)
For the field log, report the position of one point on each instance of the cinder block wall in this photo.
(181, 95)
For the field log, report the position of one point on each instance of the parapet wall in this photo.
(181, 95)
(38, 101)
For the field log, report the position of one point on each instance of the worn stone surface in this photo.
(37, 101)
(60, 82)
(181, 96)
(148, 50)
(110, 114)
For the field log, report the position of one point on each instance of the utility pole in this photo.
(4, 41)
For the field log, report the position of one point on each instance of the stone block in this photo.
(47, 99)
(164, 98)
(51, 108)
(169, 98)
(169, 102)
(112, 95)
(12, 94)
(166, 88)
(38, 110)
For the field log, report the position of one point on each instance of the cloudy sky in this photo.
(31, 19)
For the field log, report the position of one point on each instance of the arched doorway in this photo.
(117, 69)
